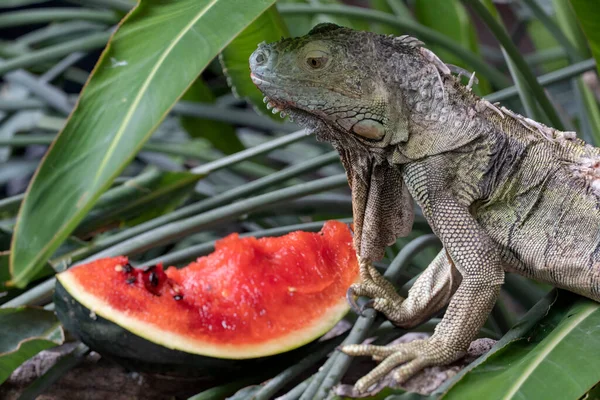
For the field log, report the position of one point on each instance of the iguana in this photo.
(501, 191)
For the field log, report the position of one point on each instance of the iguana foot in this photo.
(380, 290)
(415, 356)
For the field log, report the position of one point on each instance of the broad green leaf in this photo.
(25, 332)
(146, 196)
(571, 23)
(450, 18)
(46, 270)
(592, 110)
(543, 40)
(219, 134)
(155, 55)
(556, 351)
(337, 19)
(487, 13)
(588, 14)
(298, 25)
(393, 7)
(268, 27)
(589, 120)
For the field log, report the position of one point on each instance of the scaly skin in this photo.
(503, 193)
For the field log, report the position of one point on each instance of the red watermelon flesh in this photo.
(249, 298)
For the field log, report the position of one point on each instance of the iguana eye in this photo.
(317, 59)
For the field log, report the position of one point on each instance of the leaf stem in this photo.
(43, 15)
(93, 41)
(547, 79)
(42, 293)
(174, 230)
(571, 51)
(192, 252)
(279, 381)
(520, 64)
(251, 152)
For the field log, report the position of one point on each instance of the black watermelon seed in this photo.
(153, 278)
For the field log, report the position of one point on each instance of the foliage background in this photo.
(160, 159)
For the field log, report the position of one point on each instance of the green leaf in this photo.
(298, 25)
(572, 22)
(144, 197)
(268, 27)
(155, 55)
(220, 134)
(46, 270)
(25, 332)
(394, 7)
(337, 19)
(556, 351)
(588, 14)
(543, 40)
(589, 112)
(490, 18)
(451, 19)
(558, 33)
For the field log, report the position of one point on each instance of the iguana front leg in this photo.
(430, 293)
(477, 259)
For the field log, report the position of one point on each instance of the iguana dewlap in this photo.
(502, 192)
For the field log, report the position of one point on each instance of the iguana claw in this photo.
(351, 298)
(414, 356)
(382, 294)
(359, 310)
(366, 306)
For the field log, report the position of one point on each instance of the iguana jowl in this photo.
(502, 192)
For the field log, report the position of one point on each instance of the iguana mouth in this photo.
(259, 80)
(274, 99)
(275, 105)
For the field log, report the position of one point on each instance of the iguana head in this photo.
(345, 86)
(331, 81)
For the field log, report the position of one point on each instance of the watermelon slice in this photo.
(250, 298)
